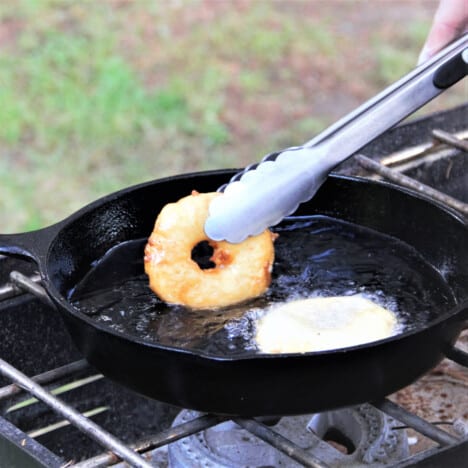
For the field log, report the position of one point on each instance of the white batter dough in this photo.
(323, 323)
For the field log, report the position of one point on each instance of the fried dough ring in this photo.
(242, 271)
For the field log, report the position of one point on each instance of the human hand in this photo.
(450, 21)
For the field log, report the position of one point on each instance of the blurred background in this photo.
(99, 95)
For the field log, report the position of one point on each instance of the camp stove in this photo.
(57, 411)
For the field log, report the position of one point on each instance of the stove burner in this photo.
(349, 437)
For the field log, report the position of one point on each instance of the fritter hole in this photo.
(201, 255)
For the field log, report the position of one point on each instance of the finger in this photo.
(450, 20)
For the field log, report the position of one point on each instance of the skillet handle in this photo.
(28, 245)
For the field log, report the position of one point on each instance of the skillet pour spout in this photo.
(255, 384)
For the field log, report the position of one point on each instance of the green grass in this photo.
(80, 118)
(70, 89)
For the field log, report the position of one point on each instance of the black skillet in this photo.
(254, 384)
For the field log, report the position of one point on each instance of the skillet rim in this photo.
(64, 303)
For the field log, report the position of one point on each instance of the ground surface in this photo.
(96, 96)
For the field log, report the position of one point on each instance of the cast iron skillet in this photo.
(255, 384)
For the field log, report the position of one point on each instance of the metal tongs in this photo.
(263, 194)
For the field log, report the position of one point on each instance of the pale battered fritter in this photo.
(323, 323)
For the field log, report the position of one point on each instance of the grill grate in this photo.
(130, 453)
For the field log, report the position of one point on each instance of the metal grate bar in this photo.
(422, 426)
(204, 422)
(26, 284)
(450, 139)
(279, 442)
(87, 426)
(46, 377)
(12, 289)
(409, 154)
(168, 436)
(410, 183)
